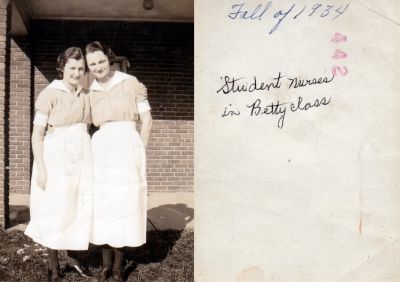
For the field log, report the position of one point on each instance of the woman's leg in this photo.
(117, 266)
(53, 259)
(107, 255)
(54, 265)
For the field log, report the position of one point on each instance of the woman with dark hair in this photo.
(61, 195)
(117, 102)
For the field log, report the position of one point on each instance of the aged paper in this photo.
(297, 140)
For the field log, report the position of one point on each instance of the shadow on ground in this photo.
(171, 216)
(19, 214)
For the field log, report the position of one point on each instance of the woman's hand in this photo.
(37, 148)
(142, 90)
(41, 176)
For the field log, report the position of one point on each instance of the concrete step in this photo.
(169, 210)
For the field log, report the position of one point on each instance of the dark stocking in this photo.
(54, 266)
(107, 254)
(53, 260)
(118, 259)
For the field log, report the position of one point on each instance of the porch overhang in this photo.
(23, 11)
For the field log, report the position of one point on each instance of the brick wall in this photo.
(161, 56)
(20, 116)
(170, 156)
(5, 18)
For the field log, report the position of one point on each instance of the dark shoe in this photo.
(117, 276)
(82, 271)
(104, 274)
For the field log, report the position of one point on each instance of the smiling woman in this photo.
(117, 101)
(71, 69)
(159, 44)
(60, 202)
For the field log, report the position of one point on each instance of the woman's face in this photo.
(73, 71)
(98, 64)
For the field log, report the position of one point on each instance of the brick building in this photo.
(158, 44)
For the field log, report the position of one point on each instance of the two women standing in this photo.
(94, 192)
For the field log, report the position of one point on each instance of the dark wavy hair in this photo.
(70, 53)
(98, 46)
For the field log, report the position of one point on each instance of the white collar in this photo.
(116, 78)
(60, 85)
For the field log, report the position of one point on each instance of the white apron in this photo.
(120, 187)
(61, 213)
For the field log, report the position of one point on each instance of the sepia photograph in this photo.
(297, 141)
(97, 140)
(275, 122)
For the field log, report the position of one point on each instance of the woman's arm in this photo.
(37, 148)
(147, 123)
(144, 111)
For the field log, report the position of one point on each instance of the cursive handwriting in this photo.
(297, 82)
(229, 112)
(305, 106)
(257, 13)
(238, 85)
(232, 84)
(244, 11)
(277, 108)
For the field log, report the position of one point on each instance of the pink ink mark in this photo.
(342, 70)
(339, 54)
(338, 37)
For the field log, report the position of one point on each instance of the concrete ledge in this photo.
(169, 210)
(19, 199)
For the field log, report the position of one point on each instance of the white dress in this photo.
(120, 186)
(119, 206)
(61, 213)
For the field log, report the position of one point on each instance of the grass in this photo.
(167, 256)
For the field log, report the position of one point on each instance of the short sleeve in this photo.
(44, 103)
(139, 88)
(140, 91)
(143, 106)
(40, 119)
